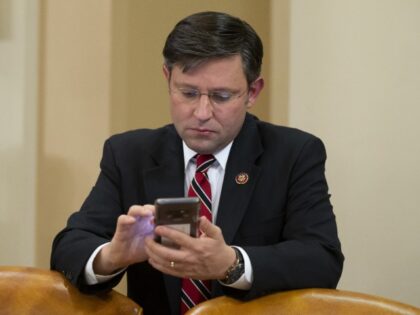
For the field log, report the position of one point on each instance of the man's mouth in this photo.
(201, 131)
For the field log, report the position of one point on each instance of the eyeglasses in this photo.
(190, 95)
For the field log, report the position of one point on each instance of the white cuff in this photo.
(90, 276)
(245, 281)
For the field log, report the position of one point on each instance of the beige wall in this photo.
(279, 75)
(18, 113)
(74, 109)
(355, 82)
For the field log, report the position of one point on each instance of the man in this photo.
(271, 225)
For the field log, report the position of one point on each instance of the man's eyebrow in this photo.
(185, 85)
(194, 87)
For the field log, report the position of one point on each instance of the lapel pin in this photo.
(242, 178)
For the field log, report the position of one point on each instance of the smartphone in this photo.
(181, 214)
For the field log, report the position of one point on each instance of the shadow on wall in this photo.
(62, 187)
(5, 19)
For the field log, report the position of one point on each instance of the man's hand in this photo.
(205, 257)
(127, 245)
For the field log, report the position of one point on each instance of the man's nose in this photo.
(204, 108)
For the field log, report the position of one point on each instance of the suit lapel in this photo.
(166, 177)
(235, 194)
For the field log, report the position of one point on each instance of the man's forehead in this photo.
(220, 69)
(188, 67)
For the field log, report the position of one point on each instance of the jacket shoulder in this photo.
(142, 136)
(142, 143)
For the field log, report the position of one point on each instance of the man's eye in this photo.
(189, 94)
(221, 97)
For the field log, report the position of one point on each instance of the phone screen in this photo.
(178, 213)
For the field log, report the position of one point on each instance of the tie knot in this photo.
(204, 161)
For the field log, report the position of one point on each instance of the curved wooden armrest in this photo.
(26, 291)
(306, 301)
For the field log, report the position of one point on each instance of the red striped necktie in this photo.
(196, 291)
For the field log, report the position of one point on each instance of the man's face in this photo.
(207, 124)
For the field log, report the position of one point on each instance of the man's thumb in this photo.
(209, 229)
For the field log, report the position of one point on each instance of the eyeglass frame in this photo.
(210, 95)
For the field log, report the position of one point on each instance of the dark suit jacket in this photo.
(282, 216)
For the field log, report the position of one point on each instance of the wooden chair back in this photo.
(305, 302)
(30, 291)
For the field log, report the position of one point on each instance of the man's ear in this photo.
(254, 90)
(166, 72)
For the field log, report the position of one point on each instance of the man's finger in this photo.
(209, 229)
(124, 221)
(180, 238)
(141, 211)
(162, 255)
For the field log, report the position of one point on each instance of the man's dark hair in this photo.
(211, 35)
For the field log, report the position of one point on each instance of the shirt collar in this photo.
(221, 155)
